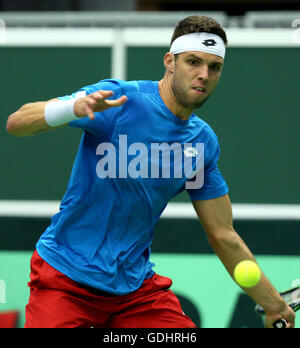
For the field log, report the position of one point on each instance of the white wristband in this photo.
(60, 112)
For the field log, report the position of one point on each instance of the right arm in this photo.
(30, 118)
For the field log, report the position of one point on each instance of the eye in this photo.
(192, 62)
(216, 67)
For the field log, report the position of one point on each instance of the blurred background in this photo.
(53, 48)
(231, 7)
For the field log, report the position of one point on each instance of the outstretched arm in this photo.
(216, 218)
(30, 118)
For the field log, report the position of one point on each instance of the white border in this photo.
(46, 209)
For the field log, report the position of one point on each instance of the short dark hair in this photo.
(198, 24)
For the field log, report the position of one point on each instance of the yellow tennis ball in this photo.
(247, 273)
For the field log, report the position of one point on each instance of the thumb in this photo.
(116, 102)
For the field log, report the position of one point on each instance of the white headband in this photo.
(199, 42)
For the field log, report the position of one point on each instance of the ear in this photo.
(169, 62)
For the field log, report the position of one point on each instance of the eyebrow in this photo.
(201, 60)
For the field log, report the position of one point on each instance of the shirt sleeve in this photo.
(102, 126)
(214, 184)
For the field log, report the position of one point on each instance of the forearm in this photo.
(231, 249)
(28, 120)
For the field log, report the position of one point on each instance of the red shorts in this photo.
(56, 301)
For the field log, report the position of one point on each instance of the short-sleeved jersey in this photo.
(129, 165)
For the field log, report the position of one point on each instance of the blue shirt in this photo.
(102, 234)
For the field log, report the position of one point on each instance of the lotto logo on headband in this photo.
(210, 42)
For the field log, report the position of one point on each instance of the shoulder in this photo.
(121, 87)
(205, 130)
(115, 85)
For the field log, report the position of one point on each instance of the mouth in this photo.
(199, 90)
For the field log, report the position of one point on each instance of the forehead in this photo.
(209, 58)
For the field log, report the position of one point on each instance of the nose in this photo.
(203, 73)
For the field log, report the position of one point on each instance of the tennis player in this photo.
(91, 266)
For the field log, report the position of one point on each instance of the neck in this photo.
(171, 101)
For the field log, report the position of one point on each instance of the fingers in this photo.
(290, 325)
(90, 112)
(106, 94)
(101, 95)
(89, 106)
(93, 100)
(117, 102)
(288, 316)
(97, 102)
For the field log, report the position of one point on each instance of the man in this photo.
(91, 266)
